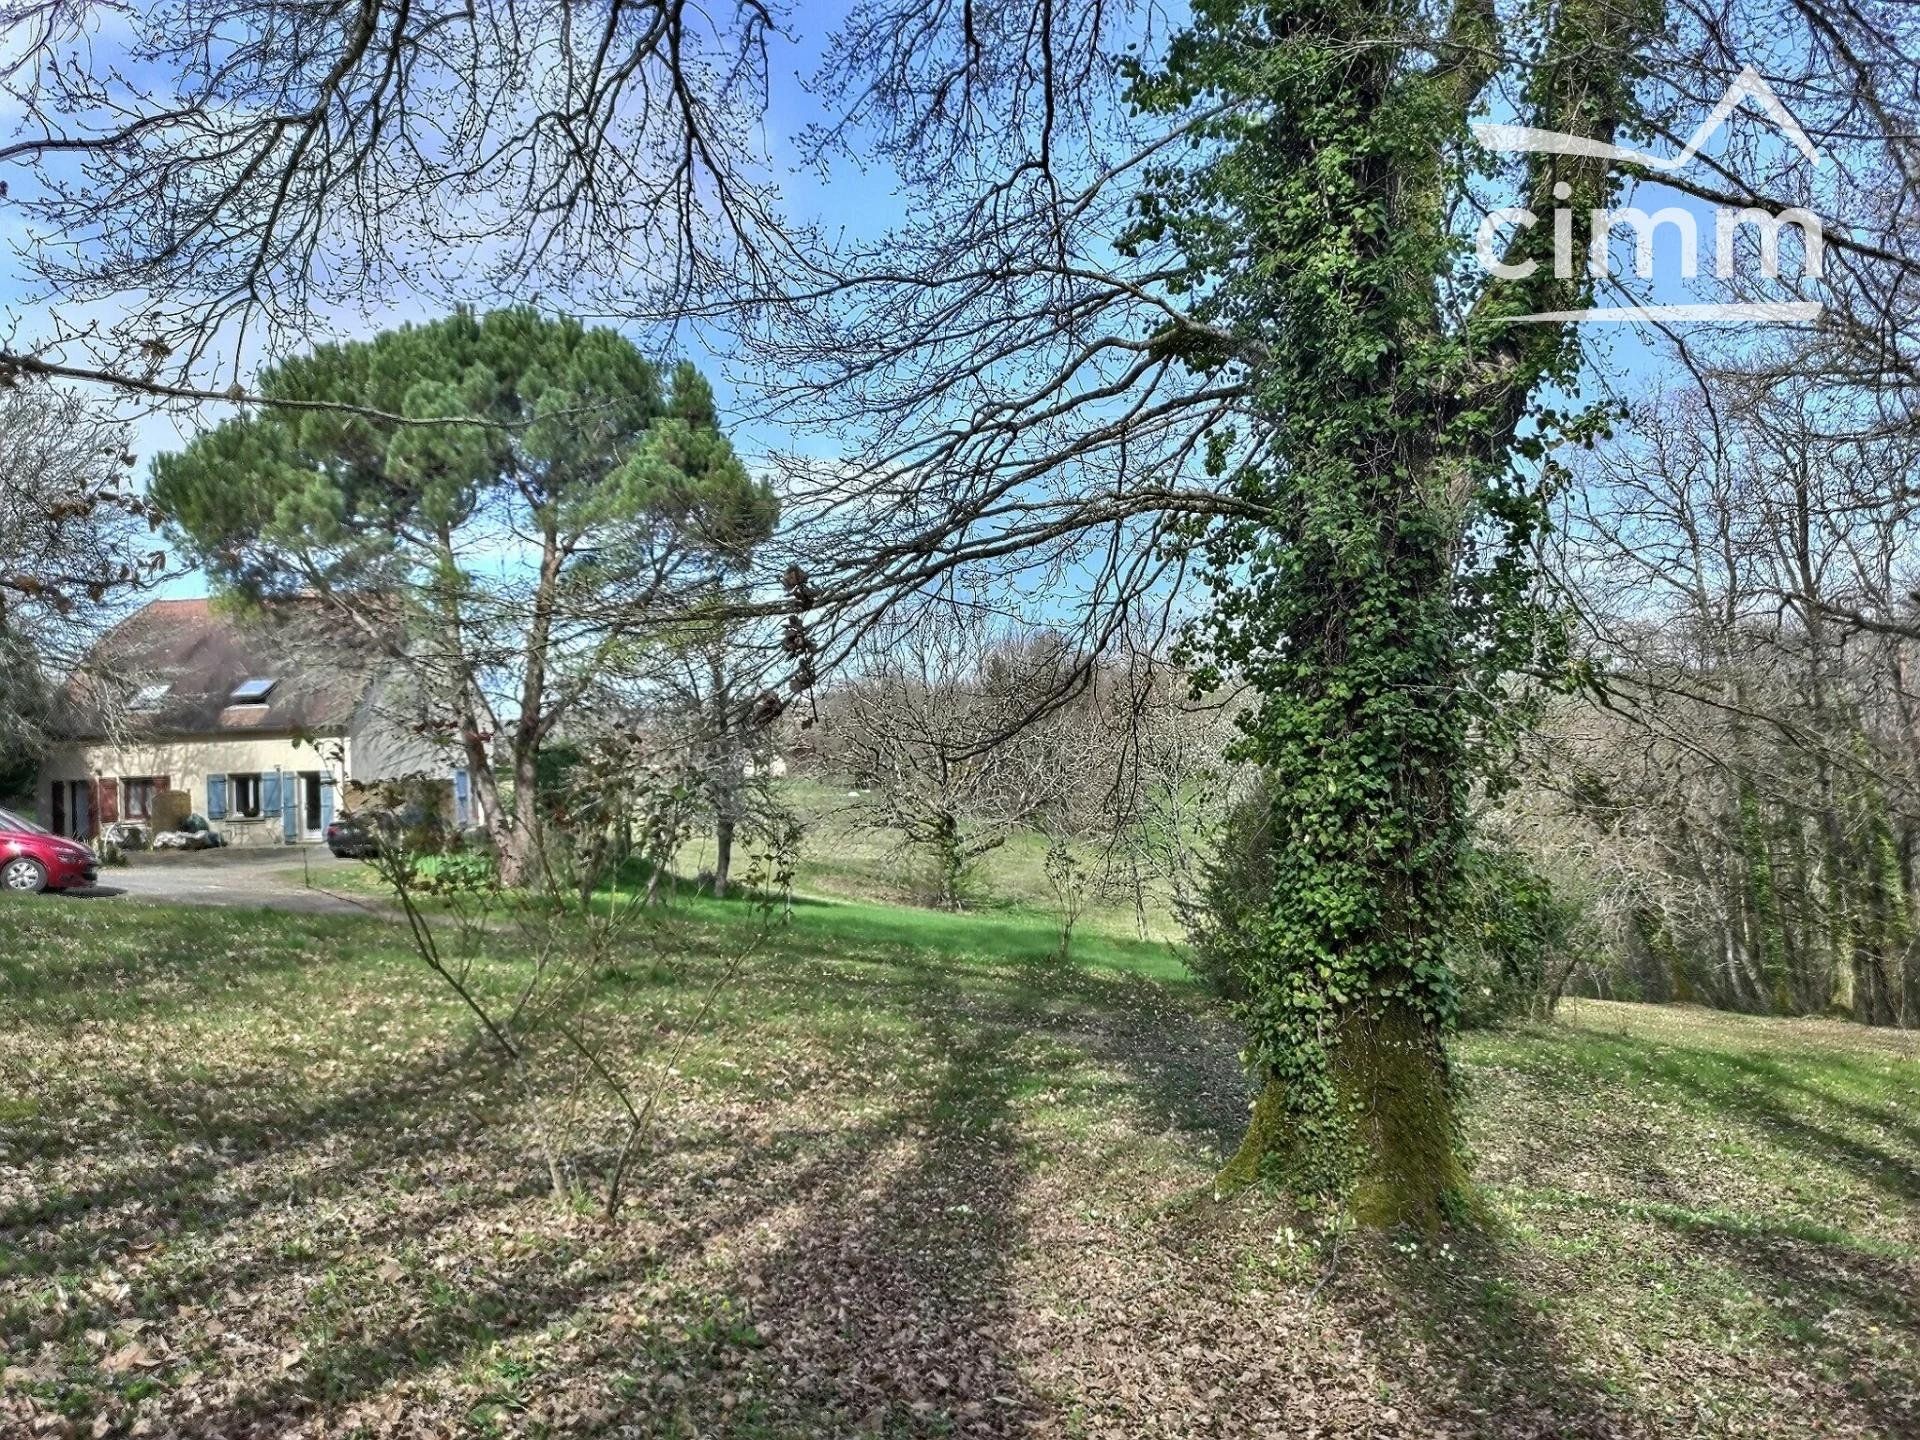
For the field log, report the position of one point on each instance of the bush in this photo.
(1514, 940)
(1226, 919)
(457, 871)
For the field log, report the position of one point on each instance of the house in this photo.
(255, 724)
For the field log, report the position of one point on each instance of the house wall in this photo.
(186, 764)
(385, 745)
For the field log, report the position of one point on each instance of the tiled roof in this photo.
(200, 652)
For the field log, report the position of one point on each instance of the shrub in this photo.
(1514, 939)
(457, 871)
(1225, 919)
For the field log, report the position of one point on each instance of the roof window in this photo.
(253, 691)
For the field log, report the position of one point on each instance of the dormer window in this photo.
(253, 691)
(148, 697)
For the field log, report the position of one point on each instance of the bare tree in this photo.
(540, 1005)
(75, 547)
(1745, 568)
(225, 175)
(934, 730)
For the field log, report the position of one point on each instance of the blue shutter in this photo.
(326, 801)
(270, 794)
(216, 797)
(290, 807)
(462, 799)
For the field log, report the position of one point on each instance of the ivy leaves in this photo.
(1382, 606)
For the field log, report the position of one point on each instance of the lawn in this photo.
(914, 1177)
(842, 858)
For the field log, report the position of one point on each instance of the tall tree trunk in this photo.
(1390, 1080)
(517, 834)
(1368, 824)
(949, 862)
(1842, 939)
(727, 764)
(1768, 940)
(1373, 588)
(722, 854)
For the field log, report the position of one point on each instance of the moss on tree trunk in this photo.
(1390, 1142)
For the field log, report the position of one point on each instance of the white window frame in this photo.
(238, 785)
(239, 696)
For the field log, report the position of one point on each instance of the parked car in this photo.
(358, 834)
(34, 858)
(352, 838)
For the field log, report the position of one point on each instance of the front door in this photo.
(312, 816)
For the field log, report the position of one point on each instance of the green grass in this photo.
(844, 860)
(914, 1176)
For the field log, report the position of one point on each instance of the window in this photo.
(253, 691)
(137, 801)
(246, 795)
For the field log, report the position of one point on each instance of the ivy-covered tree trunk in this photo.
(1374, 588)
(948, 858)
(1390, 1081)
(1366, 753)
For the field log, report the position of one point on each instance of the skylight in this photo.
(148, 696)
(253, 691)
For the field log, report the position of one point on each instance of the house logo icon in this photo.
(1749, 86)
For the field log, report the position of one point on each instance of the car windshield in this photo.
(11, 821)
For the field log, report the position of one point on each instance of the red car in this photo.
(33, 858)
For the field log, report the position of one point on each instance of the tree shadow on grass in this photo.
(910, 1210)
(1752, 1092)
(1854, 1315)
(1902, 1171)
(1486, 1335)
(1161, 1049)
(203, 1138)
(1491, 1326)
(1175, 1058)
(886, 1300)
(366, 1327)
(1489, 1344)
(889, 1305)
(169, 973)
(685, 1351)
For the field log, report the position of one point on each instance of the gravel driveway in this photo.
(272, 878)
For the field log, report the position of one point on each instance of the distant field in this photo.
(916, 1178)
(842, 859)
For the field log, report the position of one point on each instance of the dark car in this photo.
(352, 838)
(34, 858)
